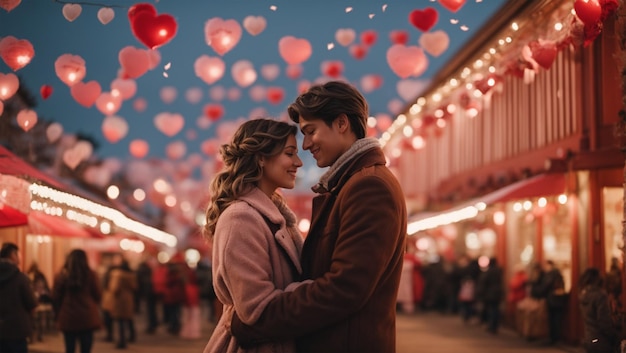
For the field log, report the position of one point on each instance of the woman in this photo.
(601, 334)
(76, 297)
(256, 246)
(122, 285)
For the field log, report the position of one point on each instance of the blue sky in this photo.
(43, 24)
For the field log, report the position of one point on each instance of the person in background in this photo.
(108, 297)
(204, 273)
(491, 287)
(17, 302)
(355, 246)
(123, 284)
(614, 284)
(517, 289)
(174, 295)
(553, 289)
(76, 298)
(256, 245)
(43, 312)
(601, 333)
(191, 327)
(146, 294)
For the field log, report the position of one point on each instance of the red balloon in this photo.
(141, 7)
(213, 111)
(153, 30)
(275, 95)
(425, 19)
(358, 51)
(399, 37)
(369, 37)
(45, 91)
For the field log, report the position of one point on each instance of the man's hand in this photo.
(245, 334)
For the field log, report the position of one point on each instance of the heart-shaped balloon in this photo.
(210, 147)
(138, 148)
(125, 88)
(358, 51)
(452, 5)
(169, 124)
(275, 95)
(70, 68)
(54, 132)
(303, 86)
(243, 73)
(105, 15)
(176, 150)
(294, 50)
(406, 61)
(399, 37)
(254, 24)
(435, 43)
(72, 158)
(209, 69)
(71, 11)
(543, 52)
(369, 37)
(98, 176)
(9, 83)
(134, 61)
(257, 93)
(9, 5)
(151, 29)
(424, 19)
(108, 104)
(332, 68)
(86, 94)
(410, 89)
(45, 91)
(193, 95)
(293, 71)
(140, 105)
(155, 58)
(114, 128)
(270, 71)
(213, 111)
(345, 36)
(589, 11)
(222, 35)
(26, 119)
(371, 82)
(233, 94)
(217, 93)
(16, 53)
(168, 94)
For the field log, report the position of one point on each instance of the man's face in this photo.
(15, 258)
(326, 143)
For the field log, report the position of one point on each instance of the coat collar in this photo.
(288, 237)
(370, 157)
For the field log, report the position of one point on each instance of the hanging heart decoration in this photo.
(222, 35)
(71, 11)
(105, 15)
(70, 68)
(86, 94)
(452, 5)
(138, 148)
(9, 83)
(45, 91)
(16, 53)
(254, 24)
(114, 128)
(345, 36)
(26, 119)
(149, 28)
(424, 19)
(435, 43)
(294, 50)
(209, 69)
(9, 5)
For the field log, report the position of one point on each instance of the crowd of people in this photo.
(79, 301)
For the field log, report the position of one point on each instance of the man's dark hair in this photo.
(7, 250)
(329, 100)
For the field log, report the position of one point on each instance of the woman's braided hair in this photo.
(254, 139)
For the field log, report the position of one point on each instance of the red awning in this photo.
(536, 186)
(10, 217)
(40, 223)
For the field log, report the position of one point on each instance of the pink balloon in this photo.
(257, 93)
(9, 5)
(294, 50)
(203, 123)
(233, 94)
(257, 113)
(70, 68)
(193, 95)
(243, 73)
(97, 176)
(138, 148)
(435, 43)
(16, 53)
(108, 104)
(303, 86)
(406, 61)
(371, 82)
(222, 35)
(114, 128)
(383, 121)
(410, 89)
(169, 124)
(140, 105)
(293, 71)
(26, 119)
(168, 94)
(126, 88)
(395, 106)
(217, 93)
(345, 36)
(209, 69)
(86, 93)
(134, 61)
(254, 24)
(210, 147)
(270, 71)
(54, 132)
(176, 150)
(9, 83)
(154, 58)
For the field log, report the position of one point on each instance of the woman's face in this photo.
(280, 171)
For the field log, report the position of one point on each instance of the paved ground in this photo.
(419, 333)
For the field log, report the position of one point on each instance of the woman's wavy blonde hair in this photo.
(254, 139)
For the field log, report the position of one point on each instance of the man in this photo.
(17, 302)
(354, 249)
